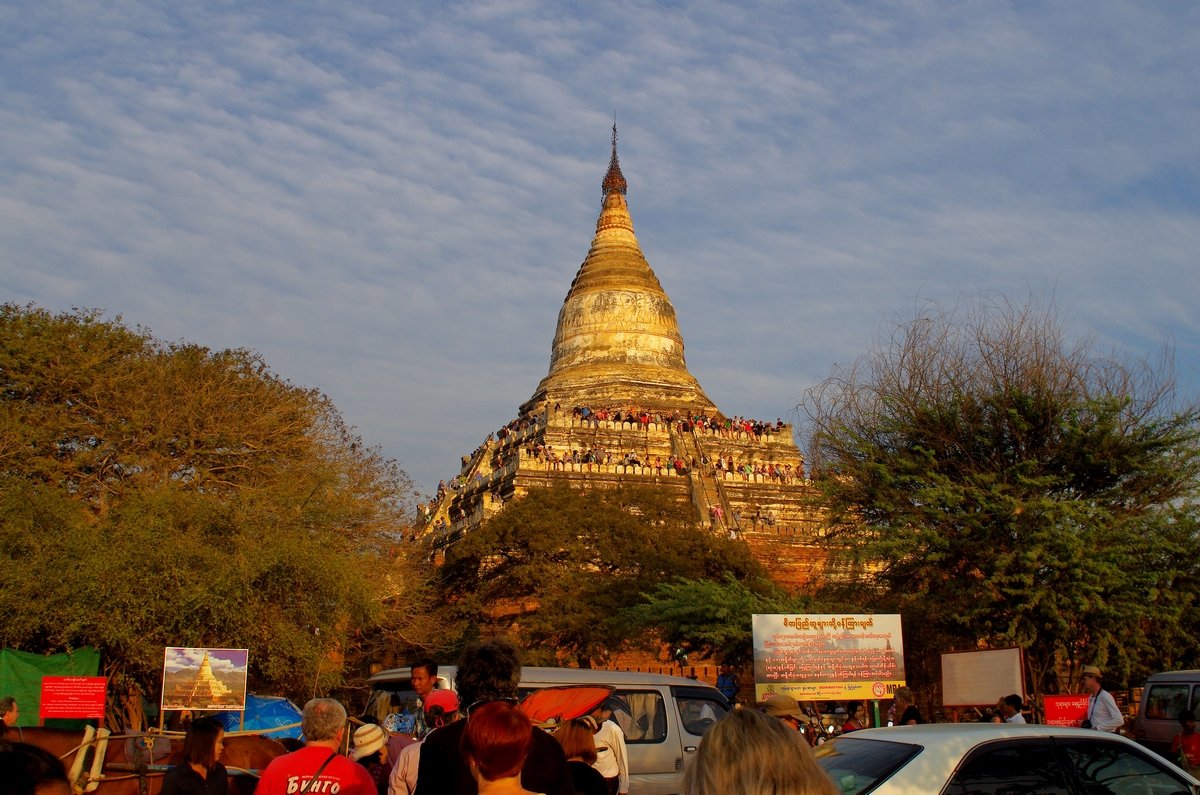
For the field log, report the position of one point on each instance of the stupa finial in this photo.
(614, 180)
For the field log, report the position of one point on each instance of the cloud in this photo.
(220, 661)
(390, 203)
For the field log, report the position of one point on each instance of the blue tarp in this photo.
(262, 714)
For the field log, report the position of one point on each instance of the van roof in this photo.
(1174, 676)
(556, 676)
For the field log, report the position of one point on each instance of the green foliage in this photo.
(711, 617)
(560, 566)
(1010, 489)
(159, 495)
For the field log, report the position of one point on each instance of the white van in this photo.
(663, 716)
(1164, 697)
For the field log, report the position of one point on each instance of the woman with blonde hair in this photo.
(748, 753)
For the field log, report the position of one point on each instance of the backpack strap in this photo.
(308, 784)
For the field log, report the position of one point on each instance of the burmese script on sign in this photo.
(811, 658)
(828, 656)
(73, 697)
(1067, 710)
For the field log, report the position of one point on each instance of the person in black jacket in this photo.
(488, 672)
(577, 738)
(199, 773)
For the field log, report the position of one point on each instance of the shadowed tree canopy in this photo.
(559, 566)
(156, 494)
(710, 617)
(997, 484)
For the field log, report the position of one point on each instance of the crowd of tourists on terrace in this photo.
(718, 426)
(596, 457)
(516, 440)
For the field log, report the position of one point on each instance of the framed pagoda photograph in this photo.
(204, 679)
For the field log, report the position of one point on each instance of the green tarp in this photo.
(21, 677)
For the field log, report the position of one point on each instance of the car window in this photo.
(857, 766)
(1114, 768)
(1026, 767)
(697, 713)
(641, 714)
(1164, 702)
(394, 709)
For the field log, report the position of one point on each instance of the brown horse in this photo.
(246, 755)
(128, 758)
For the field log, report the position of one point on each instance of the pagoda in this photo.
(619, 406)
(202, 691)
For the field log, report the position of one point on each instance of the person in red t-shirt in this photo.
(317, 768)
(1186, 746)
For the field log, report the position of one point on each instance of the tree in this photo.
(559, 566)
(158, 494)
(712, 618)
(1010, 488)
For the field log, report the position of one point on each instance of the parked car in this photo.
(1163, 698)
(997, 759)
(663, 717)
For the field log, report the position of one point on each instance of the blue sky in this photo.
(389, 200)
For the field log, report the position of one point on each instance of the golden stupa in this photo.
(618, 405)
(617, 340)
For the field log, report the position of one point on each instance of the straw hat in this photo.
(368, 739)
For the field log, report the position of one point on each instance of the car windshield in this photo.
(857, 765)
(394, 707)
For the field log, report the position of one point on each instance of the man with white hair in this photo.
(317, 767)
(9, 713)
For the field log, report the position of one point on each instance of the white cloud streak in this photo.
(390, 203)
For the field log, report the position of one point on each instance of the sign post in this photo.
(204, 679)
(1065, 710)
(73, 697)
(828, 656)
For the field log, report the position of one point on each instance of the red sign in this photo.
(1065, 710)
(73, 696)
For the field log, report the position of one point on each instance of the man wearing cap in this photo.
(1010, 708)
(317, 767)
(786, 708)
(1103, 714)
(441, 708)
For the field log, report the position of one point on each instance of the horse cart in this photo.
(103, 763)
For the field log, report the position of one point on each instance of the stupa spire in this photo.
(614, 180)
(617, 342)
